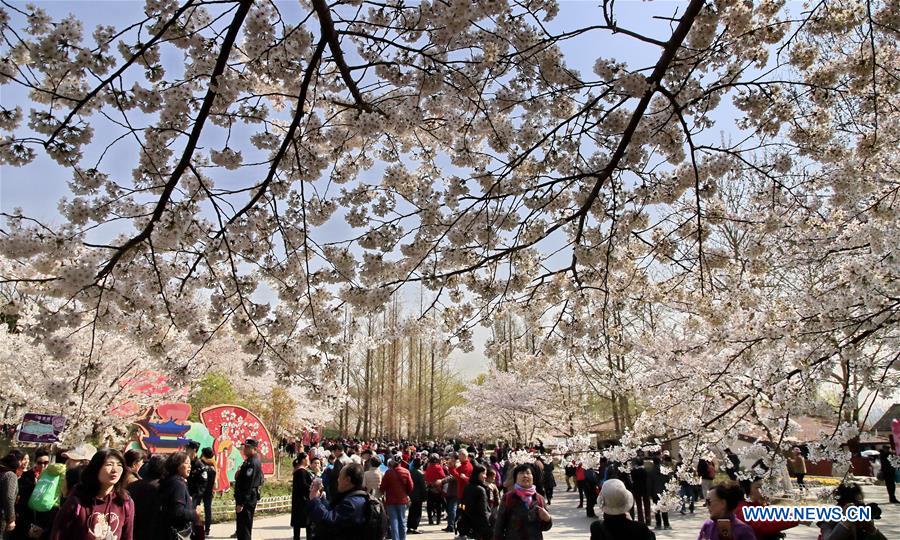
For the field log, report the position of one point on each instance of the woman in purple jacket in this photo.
(721, 501)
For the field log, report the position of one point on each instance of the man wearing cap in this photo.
(76, 460)
(615, 503)
(247, 481)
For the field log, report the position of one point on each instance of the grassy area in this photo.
(284, 467)
(276, 489)
(269, 489)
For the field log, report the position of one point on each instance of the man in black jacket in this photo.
(208, 459)
(145, 494)
(196, 481)
(657, 485)
(416, 498)
(331, 489)
(617, 501)
(570, 473)
(706, 470)
(591, 485)
(887, 472)
(639, 489)
(247, 481)
(733, 465)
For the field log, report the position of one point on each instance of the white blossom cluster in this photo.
(519, 457)
(525, 405)
(84, 379)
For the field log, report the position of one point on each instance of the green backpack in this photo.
(46, 492)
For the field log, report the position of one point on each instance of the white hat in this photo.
(615, 499)
(82, 452)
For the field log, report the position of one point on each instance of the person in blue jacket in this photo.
(344, 517)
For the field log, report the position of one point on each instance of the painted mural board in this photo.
(164, 428)
(229, 426)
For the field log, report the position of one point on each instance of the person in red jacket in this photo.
(462, 472)
(764, 530)
(435, 478)
(396, 485)
(580, 482)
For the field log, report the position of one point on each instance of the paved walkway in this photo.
(570, 523)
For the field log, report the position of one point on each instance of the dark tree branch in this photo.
(330, 34)
(193, 138)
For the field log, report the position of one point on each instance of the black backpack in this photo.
(375, 520)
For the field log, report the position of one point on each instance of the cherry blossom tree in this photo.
(534, 400)
(97, 382)
(290, 401)
(455, 146)
(100, 381)
(505, 406)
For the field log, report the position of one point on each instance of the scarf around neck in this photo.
(525, 494)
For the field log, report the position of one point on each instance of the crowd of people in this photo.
(92, 494)
(476, 495)
(483, 495)
(358, 490)
(626, 493)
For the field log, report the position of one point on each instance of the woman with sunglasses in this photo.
(721, 501)
(27, 482)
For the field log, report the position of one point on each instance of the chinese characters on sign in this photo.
(41, 428)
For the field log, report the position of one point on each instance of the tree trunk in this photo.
(509, 338)
(431, 425)
(419, 397)
(367, 414)
(379, 430)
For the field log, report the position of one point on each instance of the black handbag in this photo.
(182, 534)
(463, 527)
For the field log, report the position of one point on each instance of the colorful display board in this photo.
(229, 426)
(164, 428)
(39, 428)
